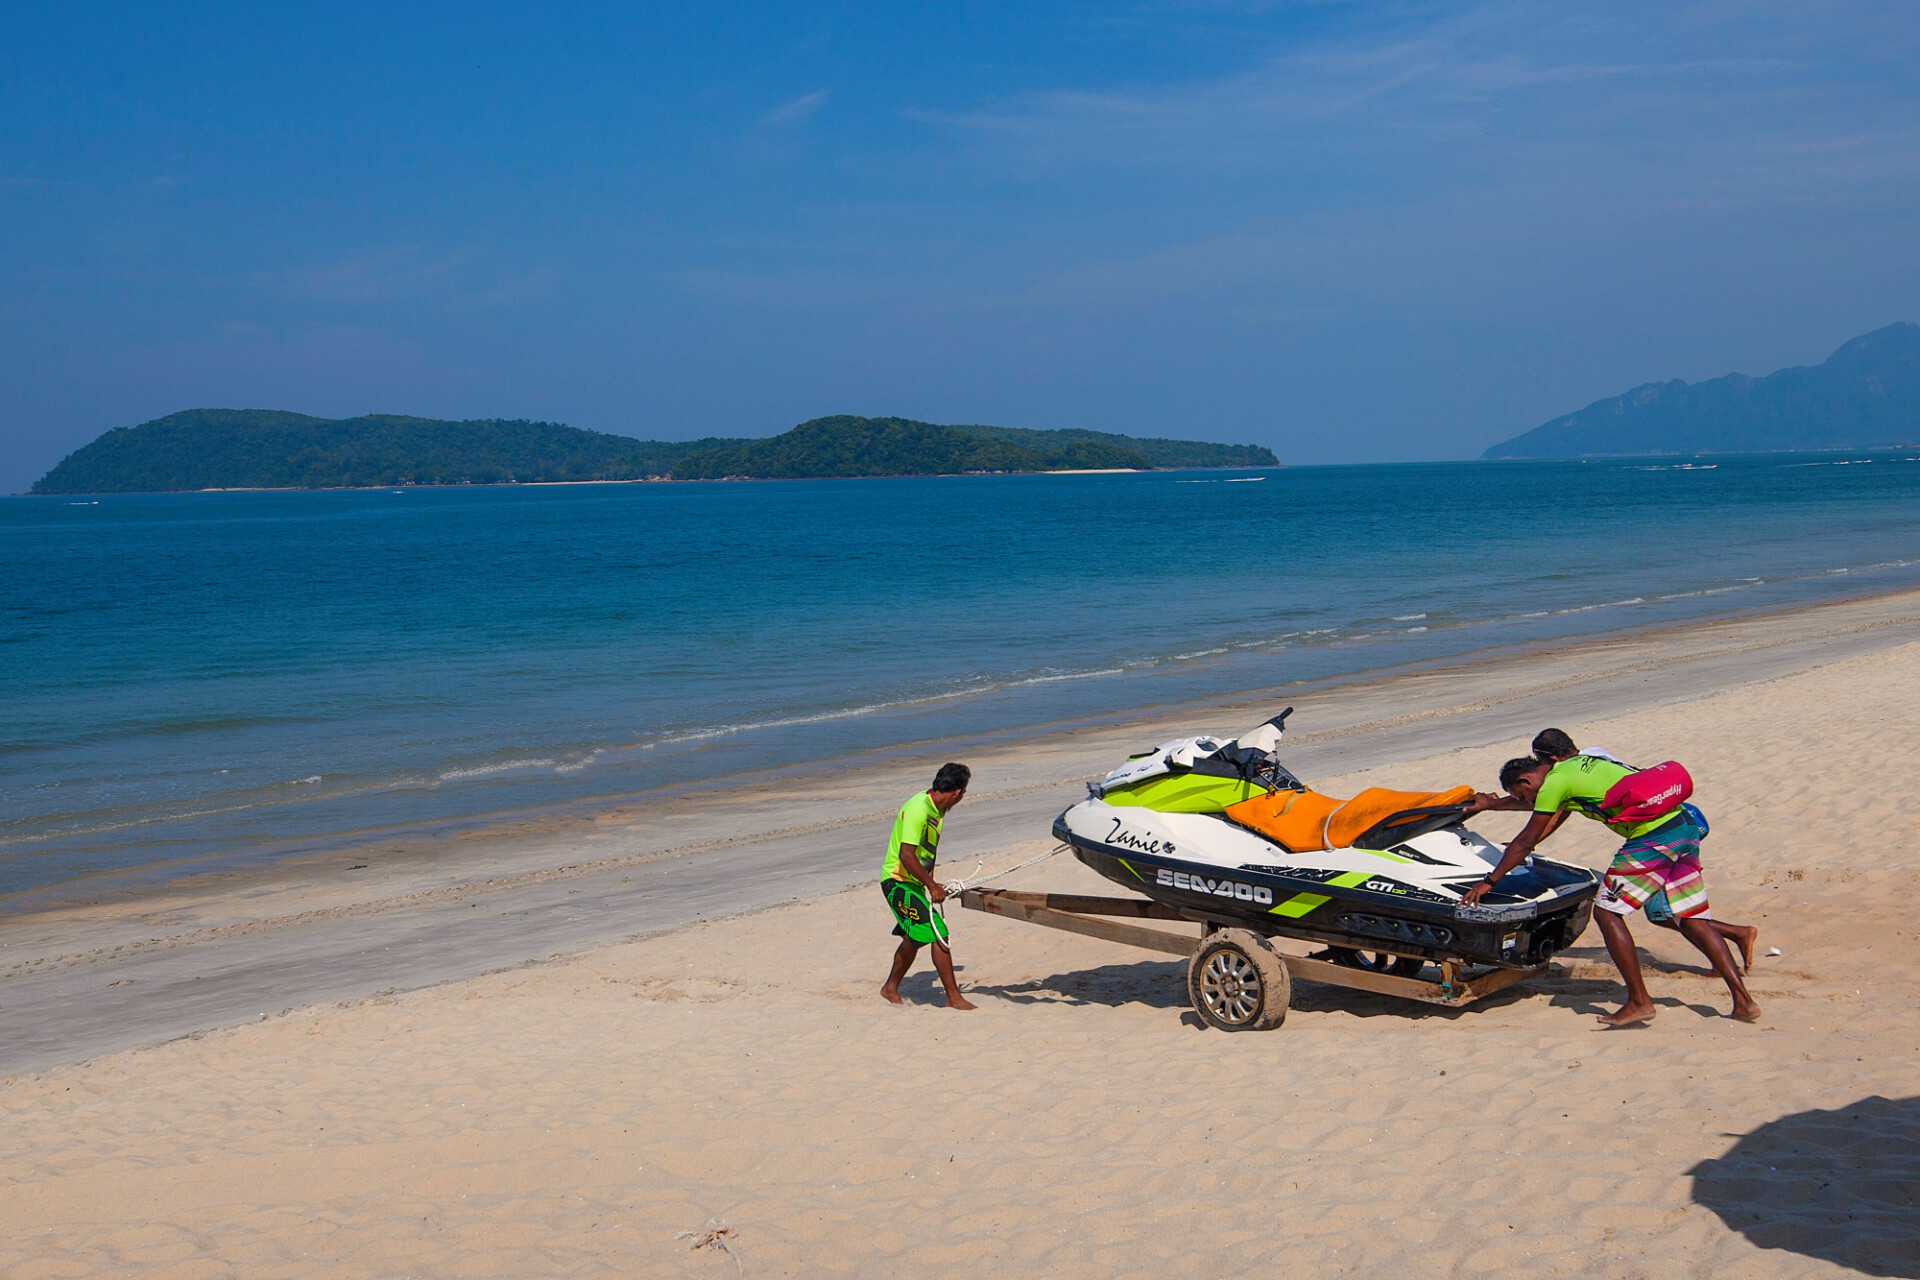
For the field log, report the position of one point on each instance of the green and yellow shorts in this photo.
(913, 915)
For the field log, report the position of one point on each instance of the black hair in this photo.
(952, 777)
(1553, 744)
(1510, 771)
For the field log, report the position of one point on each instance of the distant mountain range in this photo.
(271, 449)
(1866, 394)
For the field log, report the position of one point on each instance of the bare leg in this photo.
(943, 961)
(1639, 1005)
(1743, 936)
(1702, 935)
(902, 961)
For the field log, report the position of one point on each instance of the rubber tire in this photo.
(1402, 966)
(1256, 959)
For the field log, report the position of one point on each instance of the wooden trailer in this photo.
(1236, 979)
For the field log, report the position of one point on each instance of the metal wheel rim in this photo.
(1231, 987)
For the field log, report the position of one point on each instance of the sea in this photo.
(212, 679)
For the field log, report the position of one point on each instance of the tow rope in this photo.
(961, 886)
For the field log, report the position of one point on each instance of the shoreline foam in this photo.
(440, 699)
(799, 774)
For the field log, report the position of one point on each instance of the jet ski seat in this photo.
(1306, 821)
(1408, 823)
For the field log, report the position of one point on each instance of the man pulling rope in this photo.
(911, 891)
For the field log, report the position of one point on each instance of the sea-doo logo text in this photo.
(1258, 894)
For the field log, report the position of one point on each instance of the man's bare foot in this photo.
(1629, 1016)
(1748, 1012)
(957, 1001)
(1749, 938)
(890, 994)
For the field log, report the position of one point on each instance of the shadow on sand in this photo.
(1842, 1186)
(1584, 980)
(923, 986)
(1162, 984)
(1158, 984)
(1581, 978)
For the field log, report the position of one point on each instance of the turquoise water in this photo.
(240, 674)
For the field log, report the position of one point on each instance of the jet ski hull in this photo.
(1403, 901)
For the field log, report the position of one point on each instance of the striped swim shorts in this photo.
(1664, 860)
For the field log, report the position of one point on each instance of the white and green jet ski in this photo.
(1223, 833)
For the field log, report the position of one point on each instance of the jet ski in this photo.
(1223, 833)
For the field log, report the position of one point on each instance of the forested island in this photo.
(272, 449)
(1867, 394)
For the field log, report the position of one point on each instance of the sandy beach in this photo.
(532, 1113)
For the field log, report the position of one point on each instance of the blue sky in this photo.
(1351, 232)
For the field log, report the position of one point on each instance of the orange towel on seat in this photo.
(1352, 820)
(1297, 819)
(1306, 821)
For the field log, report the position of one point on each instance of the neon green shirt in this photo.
(918, 823)
(1580, 783)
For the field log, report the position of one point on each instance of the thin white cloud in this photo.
(1506, 67)
(1395, 167)
(797, 110)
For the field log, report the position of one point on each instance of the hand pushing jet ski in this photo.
(1223, 833)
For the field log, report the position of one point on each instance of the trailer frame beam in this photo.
(1082, 914)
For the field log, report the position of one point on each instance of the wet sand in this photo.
(571, 1116)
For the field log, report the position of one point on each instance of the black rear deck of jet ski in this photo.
(1370, 914)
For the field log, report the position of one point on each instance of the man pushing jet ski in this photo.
(1553, 746)
(1661, 855)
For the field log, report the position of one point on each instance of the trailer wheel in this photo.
(1237, 982)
